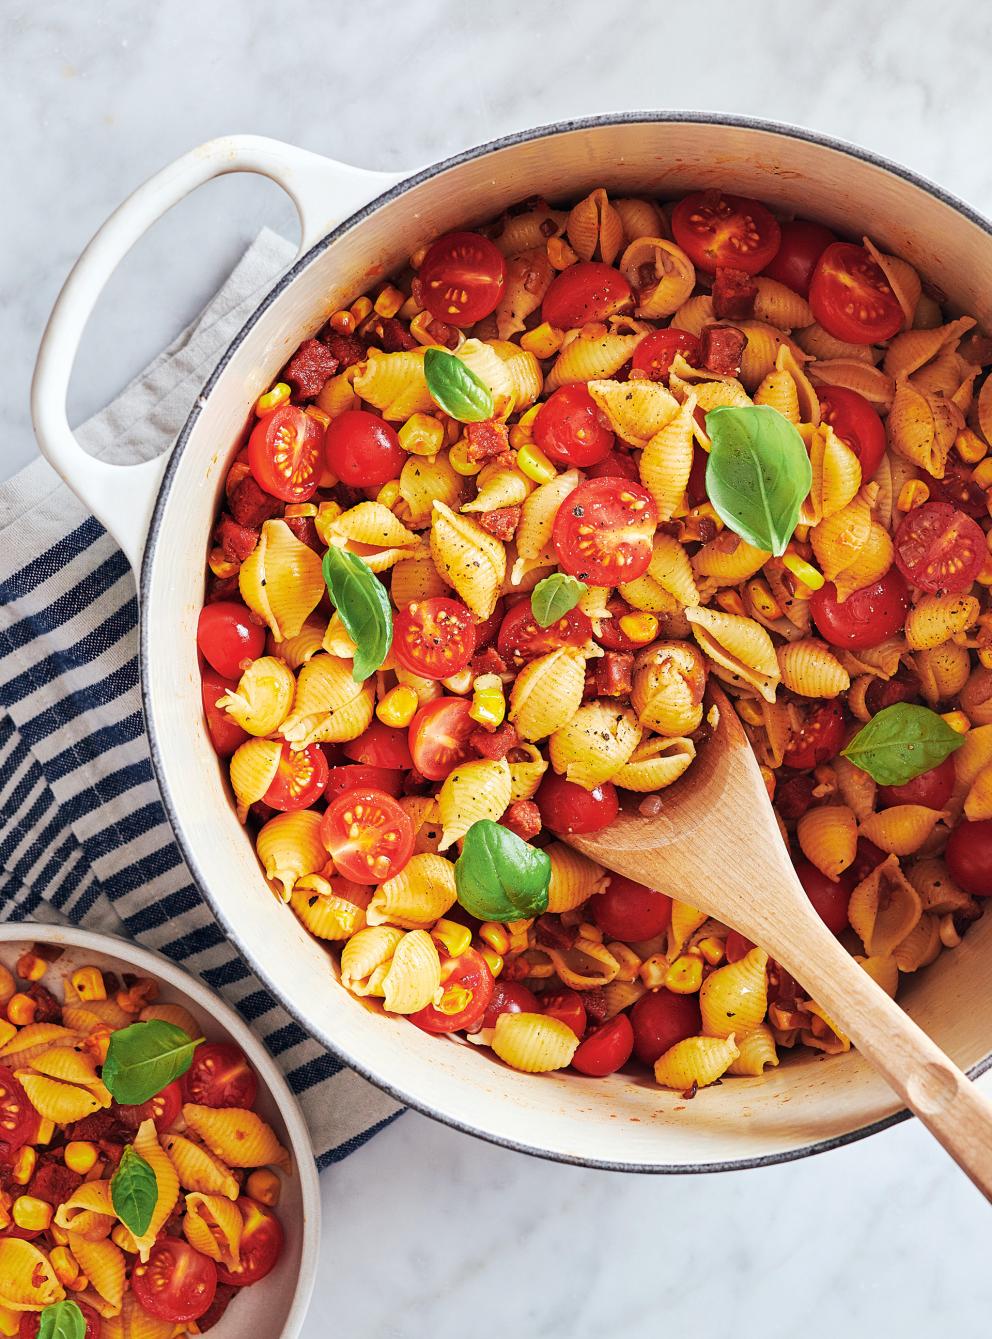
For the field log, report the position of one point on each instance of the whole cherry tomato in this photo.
(931, 789)
(571, 429)
(865, 618)
(829, 899)
(803, 243)
(660, 1019)
(969, 857)
(603, 1050)
(362, 449)
(229, 638)
(630, 912)
(566, 807)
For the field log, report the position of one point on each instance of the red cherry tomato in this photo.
(340, 779)
(163, 1108)
(940, 549)
(521, 637)
(662, 1018)
(439, 735)
(261, 1244)
(284, 453)
(931, 789)
(829, 899)
(969, 857)
(588, 291)
(300, 779)
(176, 1284)
(228, 638)
(610, 634)
(220, 1076)
(380, 746)
(510, 997)
(851, 298)
(803, 243)
(605, 1048)
(17, 1116)
(630, 912)
(485, 632)
(865, 618)
(604, 530)
(462, 277)
(656, 352)
(737, 946)
(567, 1007)
(566, 807)
(615, 466)
(867, 859)
(362, 449)
(466, 989)
(713, 229)
(225, 733)
(884, 693)
(369, 836)
(960, 490)
(434, 638)
(819, 739)
(31, 1322)
(856, 423)
(571, 429)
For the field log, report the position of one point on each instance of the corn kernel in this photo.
(459, 683)
(422, 329)
(21, 1009)
(685, 975)
(421, 435)
(494, 959)
(411, 308)
(768, 777)
(749, 710)
(7, 1032)
(30, 967)
(89, 984)
(543, 341)
(957, 720)
(81, 1156)
(982, 473)
(460, 461)
(639, 627)
(970, 446)
(45, 1131)
(220, 566)
(122, 1237)
(488, 703)
(10, 1322)
(985, 656)
(712, 949)
(495, 936)
(389, 494)
(62, 1261)
(519, 932)
(22, 1168)
(272, 399)
(398, 707)
(80, 1284)
(362, 307)
(560, 253)
(803, 571)
(731, 603)
(532, 461)
(454, 938)
(31, 1213)
(654, 970)
(343, 322)
(913, 493)
(58, 1235)
(305, 509)
(519, 437)
(763, 602)
(263, 1185)
(590, 933)
(389, 301)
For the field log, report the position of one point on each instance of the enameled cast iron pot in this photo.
(162, 513)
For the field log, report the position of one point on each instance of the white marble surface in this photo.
(427, 1231)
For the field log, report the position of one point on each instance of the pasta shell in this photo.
(728, 559)
(198, 1169)
(920, 947)
(413, 976)
(655, 764)
(472, 791)
(534, 1043)
(533, 228)
(756, 1052)
(528, 277)
(640, 218)
(594, 228)
(661, 275)
(738, 645)
(838, 539)
(174, 1014)
(883, 971)
(591, 357)
(912, 430)
(636, 410)
(856, 375)
(499, 486)
(908, 352)
(62, 1103)
(27, 1279)
(761, 351)
(289, 847)
(935, 619)
(422, 481)
(296, 651)
(35, 1038)
(595, 744)
(694, 314)
(810, 668)
(146, 1143)
(942, 671)
(902, 279)
(671, 568)
(253, 769)
(902, 828)
(828, 838)
(418, 896)
(263, 697)
(734, 999)
(131, 1322)
(281, 580)
(237, 1136)
(666, 460)
(855, 787)
(822, 346)
(836, 476)
(574, 878)
(394, 383)
(938, 891)
(547, 692)
(685, 921)
(469, 558)
(695, 1062)
(337, 395)
(526, 774)
(213, 1226)
(871, 562)
(320, 907)
(776, 304)
(537, 518)
(587, 965)
(329, 704)
(778, 391)
(883, 908)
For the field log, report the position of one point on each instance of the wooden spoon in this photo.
(716, 845)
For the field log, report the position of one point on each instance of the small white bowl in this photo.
(280, 1301)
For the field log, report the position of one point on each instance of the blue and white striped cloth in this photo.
(83, 836)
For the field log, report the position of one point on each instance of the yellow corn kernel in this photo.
(731, 603)
(22, 1168)
(957, 720)
(421, 435)
(768, 777)
(263, 1185)
(361, 308)
(763, 602)
(30, 967)
(272, 399)
(712, 949)
(45, 1132)
(21, 1009)
(488, 703)
(519, 934)
(398, 707)
(985, 656)
(66, 1269)
(460, 462)
(389, 301)
(495, 936)
(389, 493)
(459, 683)
(543, 341)
(913, 493)
(590, 933)
(640, 627)
(654, 970)
(519, 437)
(685, 975)
(982, 473)
(122, 1237)
(749, 710)
(534, 463)
(560, 253)
(306, 509)
(803, 571)
(970, 446)
(58, 1235)
(343, 322)
(454, 938)
(80, 1284)
(494, 959)
(81, 1156)
(31, 1213)
(220, 566)
(89, 984)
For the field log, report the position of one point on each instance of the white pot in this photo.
(808, 1104)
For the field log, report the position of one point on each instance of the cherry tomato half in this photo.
(521, 637)
(969, 857)
(960, 490)
(605, 1048)
(829, 899)
(163, 1108)
(656, 352)
(660, 1019)
(819, 739)
(851, 298)
(803, 243)
(31, 1322)
(362, 449)
(510, 997)
(228, 638)
(434, 638)
(369, 836)
(865, 618)
(630, 912)
(931, 789)
(854, 420)
(485, 632)
(439, 735)
(340, 779)
(566, 807)
(300, 779)
(462, 277)
(220, 1076)
(284, 453)
(17, 1116)
(588, 291)
(380, 746)
(567, 1007)
(604, 530)
(225, 733)
(466, 989)
(260, 1247)
(571, 429)
(616, 465)
(176, 1283)
(939, 548)
(717, 229)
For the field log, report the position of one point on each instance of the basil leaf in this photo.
(134, 1192)
(499, 876)
(552, 598)
(143, 1058)
(456, 388)
(360, 598)
(902, 742)
(61, 1320)
(758, 474)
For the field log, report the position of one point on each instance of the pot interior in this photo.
(809, 1100)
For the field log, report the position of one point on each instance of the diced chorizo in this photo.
(100, 1125)
(236, 541)
(387, 333)
(222, 588)
(488, 661)
(47, 1008)
(549, 931)
(486, 439)
(502, 522)
(721, 349)
(347, 349)
(53, 1182)
(523, 818)
(309, 367)
(251, 505)
(595, 1004)
(614, 674)
(305, 530)
(734, 292)
(494, 744)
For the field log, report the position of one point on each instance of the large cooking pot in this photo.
(162, 512)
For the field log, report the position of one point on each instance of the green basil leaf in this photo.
(758, 474)
(143, 1058)
(62, 1320)
(499, 876)
(902, 742)
(552, 598)
(360, 598)
(456, 388)
(134, 1192)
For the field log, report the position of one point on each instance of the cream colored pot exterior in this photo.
(809, 1102)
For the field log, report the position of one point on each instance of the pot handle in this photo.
(324, 191)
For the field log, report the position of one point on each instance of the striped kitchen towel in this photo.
(83, 836)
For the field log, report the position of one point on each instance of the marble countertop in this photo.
(426, 1230)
